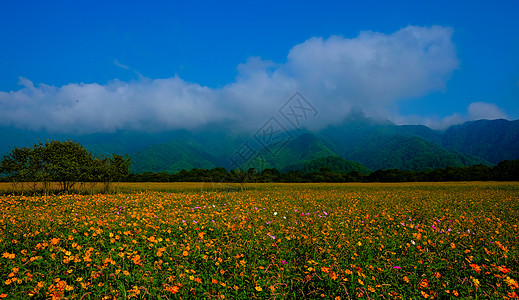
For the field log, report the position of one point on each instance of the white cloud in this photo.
(371, 72)
(120, 65)
(483, 110)
(475, 111)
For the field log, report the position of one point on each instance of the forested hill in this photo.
(495, 140)
(361, 142)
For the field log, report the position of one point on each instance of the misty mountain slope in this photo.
(341, 138)
(301, 149)
(172, 157)
(407, 153)
(373, 143)
(421, 131)
(493, 140)
(119, 142)
(334, 163)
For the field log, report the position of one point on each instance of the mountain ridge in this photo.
(371, 143)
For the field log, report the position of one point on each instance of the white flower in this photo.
(275, 213)
(412, 242)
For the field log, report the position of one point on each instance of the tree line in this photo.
(64, 162)
(507, 170)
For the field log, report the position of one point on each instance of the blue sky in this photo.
(98, 66)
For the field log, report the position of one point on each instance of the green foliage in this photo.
(64, 162)
(493, 140)
(330, 172)
(408, 153)
(172, 157)
(334, 163)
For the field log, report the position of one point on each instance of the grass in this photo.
(265, 241)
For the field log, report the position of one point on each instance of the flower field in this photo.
(268, 241)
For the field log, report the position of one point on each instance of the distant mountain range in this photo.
(358, 144)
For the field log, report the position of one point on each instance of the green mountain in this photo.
(302, 149)
(493, 140)
(333, 163)
(171, 157)
(384, 145)
(407, 153)
(371, 143)
(202, 150)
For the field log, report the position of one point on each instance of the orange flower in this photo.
(185, 253)
(503, 269)
(3, 295)
(137, 260)
(54, 241)
(424, 283)
(173, 289)
(325, 269)
(333, 276)
(475, 267)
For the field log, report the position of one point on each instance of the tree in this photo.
(64, 162)
(507, 170)
(16, 165)
(109, 169)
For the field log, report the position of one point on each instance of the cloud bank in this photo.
(371, 72)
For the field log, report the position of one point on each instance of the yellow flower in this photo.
(259, 289)
(475, 281)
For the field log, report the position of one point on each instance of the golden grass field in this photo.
(264, 241)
